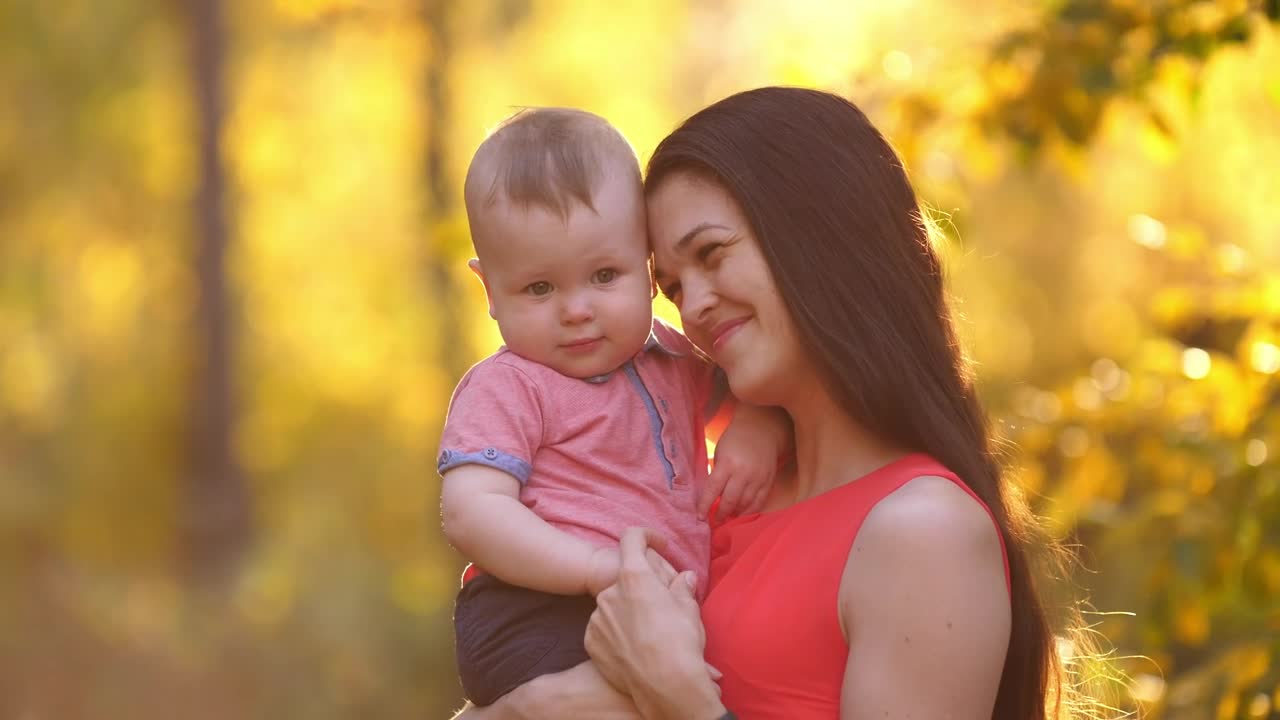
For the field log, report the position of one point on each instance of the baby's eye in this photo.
(605, 276)
(538, 289)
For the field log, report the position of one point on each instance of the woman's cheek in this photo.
(701, 340)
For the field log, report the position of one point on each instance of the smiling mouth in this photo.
(724, 331)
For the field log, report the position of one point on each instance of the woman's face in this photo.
(709, 264)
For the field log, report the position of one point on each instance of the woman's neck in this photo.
(831, 447)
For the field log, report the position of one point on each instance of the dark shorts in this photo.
(506, 635)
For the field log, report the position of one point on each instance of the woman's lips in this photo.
(725, 330)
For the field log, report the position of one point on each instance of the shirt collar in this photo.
(650, 345)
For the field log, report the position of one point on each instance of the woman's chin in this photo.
(752, 388)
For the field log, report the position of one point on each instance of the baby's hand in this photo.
(604, 569)
(746, 462)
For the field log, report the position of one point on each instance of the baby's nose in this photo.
(576, 310)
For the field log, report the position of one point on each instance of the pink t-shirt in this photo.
(595, 456)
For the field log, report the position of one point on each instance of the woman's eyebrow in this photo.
(688, 237)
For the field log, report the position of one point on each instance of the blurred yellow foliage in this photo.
(1104, 175)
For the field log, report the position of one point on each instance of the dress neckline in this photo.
(779, 512)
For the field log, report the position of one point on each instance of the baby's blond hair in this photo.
(549, 158)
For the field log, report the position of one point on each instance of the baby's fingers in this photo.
(731, 499)
(712, 489)
(755, 501)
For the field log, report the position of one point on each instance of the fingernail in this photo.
(690, 579)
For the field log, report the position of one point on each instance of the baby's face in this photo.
(575, 296)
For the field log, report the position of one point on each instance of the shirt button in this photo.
(490, 453)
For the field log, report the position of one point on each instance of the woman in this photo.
(888, 578)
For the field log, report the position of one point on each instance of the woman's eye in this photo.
(605, 276)
(708, 251)
(542, 287)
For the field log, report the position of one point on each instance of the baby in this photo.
(592, 418)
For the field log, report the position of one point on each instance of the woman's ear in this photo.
(474, 264)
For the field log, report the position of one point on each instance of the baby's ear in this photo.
(474, 264)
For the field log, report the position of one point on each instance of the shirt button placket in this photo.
(673, 448)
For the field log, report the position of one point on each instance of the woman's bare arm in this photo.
(925, 607)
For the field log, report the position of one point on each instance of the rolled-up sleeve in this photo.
(495, 419)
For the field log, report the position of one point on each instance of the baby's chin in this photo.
(610, 359)
(586, 370)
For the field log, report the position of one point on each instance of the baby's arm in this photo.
(491, 435)
(485, 520)
(750, 443)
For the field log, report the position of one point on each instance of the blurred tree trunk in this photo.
(455, 353)
(452, 347)
(217, 512)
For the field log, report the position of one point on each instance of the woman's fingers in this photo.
(683, 587)
(596, 643)
(633, 546)
(591, 640)
(642, 625)
(660, 566)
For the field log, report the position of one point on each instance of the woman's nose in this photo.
(696, 301)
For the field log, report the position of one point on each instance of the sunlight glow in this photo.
(1086, 394)
(1147, 688)
(1147, 231)
(897, 65)
(1256, 452)
(1260, 706)
(1074, 442)
(1196, 363)
(1265, 357)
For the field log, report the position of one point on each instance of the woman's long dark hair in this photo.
(849, 249)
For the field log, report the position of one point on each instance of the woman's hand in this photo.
(606, 561)
(646, 638)
(579, 691)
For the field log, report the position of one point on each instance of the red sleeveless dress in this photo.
(772, 615)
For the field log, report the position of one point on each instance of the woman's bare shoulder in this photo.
(932, 507)
(930, 524)
(927, 545)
